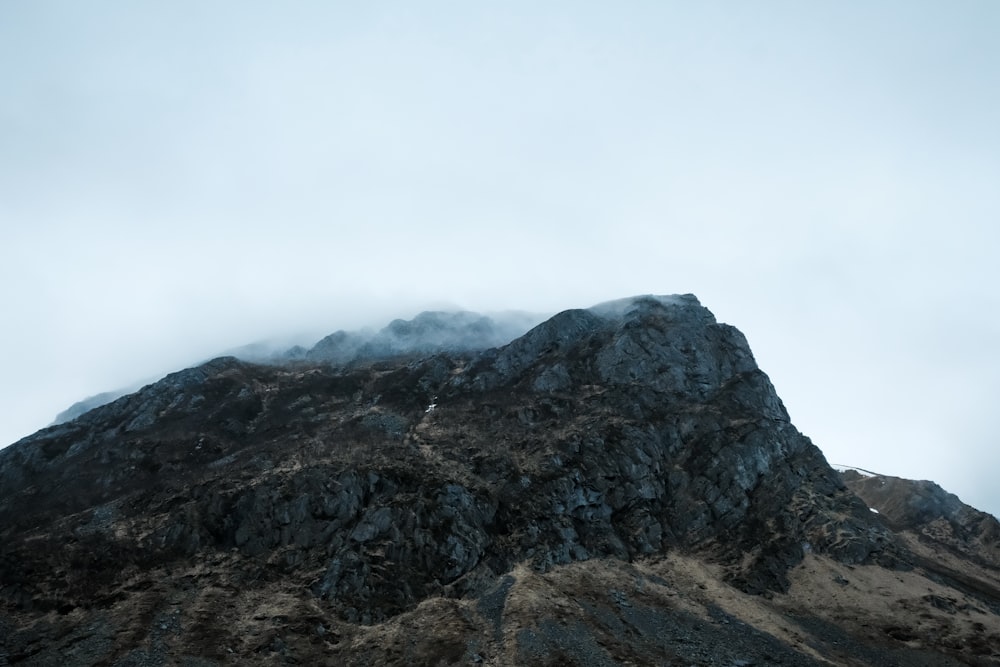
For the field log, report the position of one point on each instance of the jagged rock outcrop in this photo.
(364, 496)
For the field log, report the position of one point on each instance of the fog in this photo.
(179, 180)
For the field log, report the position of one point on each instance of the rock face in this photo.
(618, 484)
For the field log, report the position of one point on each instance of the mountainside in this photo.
(427, 333)
(619, 485)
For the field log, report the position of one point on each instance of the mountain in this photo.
(619, 485)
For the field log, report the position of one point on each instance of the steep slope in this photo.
(619, 484)
(924, 510)
(952, 542)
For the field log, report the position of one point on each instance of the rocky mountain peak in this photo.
(568, 496)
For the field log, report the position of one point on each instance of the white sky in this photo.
(180, 178)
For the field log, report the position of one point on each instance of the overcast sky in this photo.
(179, 178)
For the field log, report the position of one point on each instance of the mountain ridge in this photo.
(615, 472)
(427, 332)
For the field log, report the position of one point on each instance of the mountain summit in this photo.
(619, 485)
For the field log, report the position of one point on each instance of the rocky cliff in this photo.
(619, 485)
